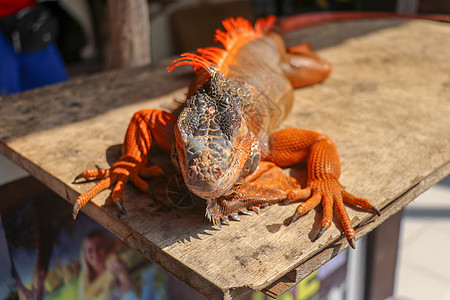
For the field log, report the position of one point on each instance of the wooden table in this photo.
(386, 105)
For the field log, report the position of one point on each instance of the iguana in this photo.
(222, 138)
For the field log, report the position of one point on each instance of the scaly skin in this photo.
(223, 140)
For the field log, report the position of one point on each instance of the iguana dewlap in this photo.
(223, 140)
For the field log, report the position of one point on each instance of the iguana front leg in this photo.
(289, 147)
(267, 185)
(145, 127)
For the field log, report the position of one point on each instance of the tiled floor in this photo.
(423, 270)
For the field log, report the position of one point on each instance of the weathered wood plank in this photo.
(386, 105)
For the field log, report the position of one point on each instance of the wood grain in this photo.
(386, 105)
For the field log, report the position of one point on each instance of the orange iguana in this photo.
(222, 138)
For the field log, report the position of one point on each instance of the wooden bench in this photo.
(386, 105)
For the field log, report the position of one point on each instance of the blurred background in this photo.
(179, 26)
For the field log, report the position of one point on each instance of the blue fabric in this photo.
(9, 68)
(20, 72)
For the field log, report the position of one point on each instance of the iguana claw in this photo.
(120, 206)
(75, 180)
(321, 231)
(76, 209)
(352, 242)
(225, 221)
(294, 217)
(150, 193)
(376, 210)
(235, 217)
(244, 211)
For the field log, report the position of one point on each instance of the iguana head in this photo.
(213, 142)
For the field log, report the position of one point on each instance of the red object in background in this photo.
(9, 7)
